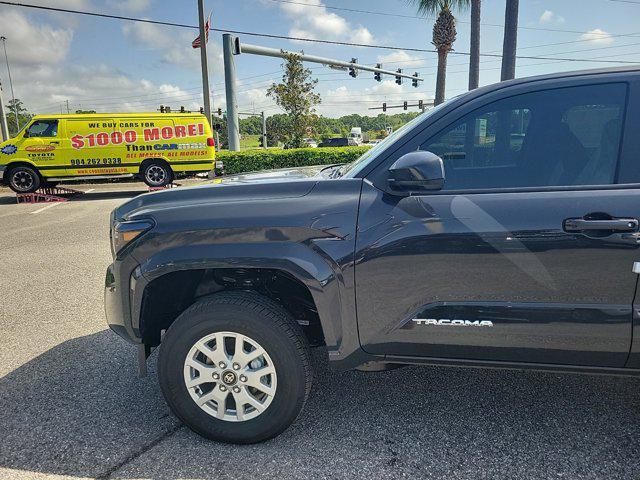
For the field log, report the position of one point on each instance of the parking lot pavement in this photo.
(72, 406)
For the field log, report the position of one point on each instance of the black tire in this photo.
(23, 179)
(265, 322)
(157, 173)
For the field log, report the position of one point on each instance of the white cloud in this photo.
(342, 100)
(132, 6)
(597, 36)
(550, 17)
(400, 59)
(174, 49)
(318, 23)
(44, 76)
(32, 43)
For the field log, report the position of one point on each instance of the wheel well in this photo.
(12, 165)
(165, 298)
(147, 161)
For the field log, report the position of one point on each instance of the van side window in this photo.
(43, 128)
(561, 137)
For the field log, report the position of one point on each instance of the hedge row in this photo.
(252, 160)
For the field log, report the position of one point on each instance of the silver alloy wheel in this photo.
(22, 180)
(230, 376)
(155, 175)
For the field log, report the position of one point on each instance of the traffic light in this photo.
(181, 108)
(404, 105)
(384, 106)
(420, 104)
(202, 110)
(399, 78)
(414, 80)
(161, 108)
(352, 70)
(377, 75)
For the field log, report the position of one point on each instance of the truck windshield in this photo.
(349, 170)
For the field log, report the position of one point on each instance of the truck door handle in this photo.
(615, 224)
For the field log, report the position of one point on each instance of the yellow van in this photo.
(150, 146)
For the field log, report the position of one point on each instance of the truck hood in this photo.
(247, 187)
(278, 175)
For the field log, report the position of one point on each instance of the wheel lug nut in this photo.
(216, 376)
(243, 378)
(222, 365)
(236, 389)
(223, 388)
(236, 366)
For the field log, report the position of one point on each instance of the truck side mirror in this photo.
(417, 172)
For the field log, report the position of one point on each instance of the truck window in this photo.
(560, 137)
(43, 128)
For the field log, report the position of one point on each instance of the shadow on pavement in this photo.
(80, 410)
(10, 199)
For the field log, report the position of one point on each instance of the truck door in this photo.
(526, 254)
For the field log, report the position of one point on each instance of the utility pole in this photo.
(68, 111)
(233, 126)
(4, 130)
(13, 97)
(203, 62)
(264, 130)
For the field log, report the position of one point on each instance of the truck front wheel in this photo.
(23, 179)
(235, 367)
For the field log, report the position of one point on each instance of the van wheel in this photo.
(157, 174)
(23, 179)
(235, 367)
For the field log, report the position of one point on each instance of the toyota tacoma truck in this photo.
(499, 229)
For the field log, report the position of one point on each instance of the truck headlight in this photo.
(123, 233)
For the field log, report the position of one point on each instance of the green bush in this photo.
(252, 160)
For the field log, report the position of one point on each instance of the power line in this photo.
(300, 39)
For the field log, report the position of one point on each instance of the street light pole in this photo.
(203, 62)
(13, 97)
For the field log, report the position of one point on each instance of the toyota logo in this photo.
(229, 378)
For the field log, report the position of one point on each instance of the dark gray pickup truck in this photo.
(500, 229)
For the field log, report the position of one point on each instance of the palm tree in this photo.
(444, 34)
(510, 40)
(474, 59)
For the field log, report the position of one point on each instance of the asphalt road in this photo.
(72, 406)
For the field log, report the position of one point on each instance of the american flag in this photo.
(196, 42)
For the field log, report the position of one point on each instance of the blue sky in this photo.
(113, 65)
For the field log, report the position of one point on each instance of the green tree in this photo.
(296, 96)
(86, 111)
(444, 34)
(23, 116)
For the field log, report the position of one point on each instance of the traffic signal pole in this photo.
(233, 124)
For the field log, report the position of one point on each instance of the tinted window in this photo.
(43, 128)
(561, 137)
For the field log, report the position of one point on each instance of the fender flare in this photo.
(324, 280)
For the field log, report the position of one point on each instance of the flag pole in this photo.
(203, 62)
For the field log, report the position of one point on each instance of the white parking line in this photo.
(44, 208)
(56, 203)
